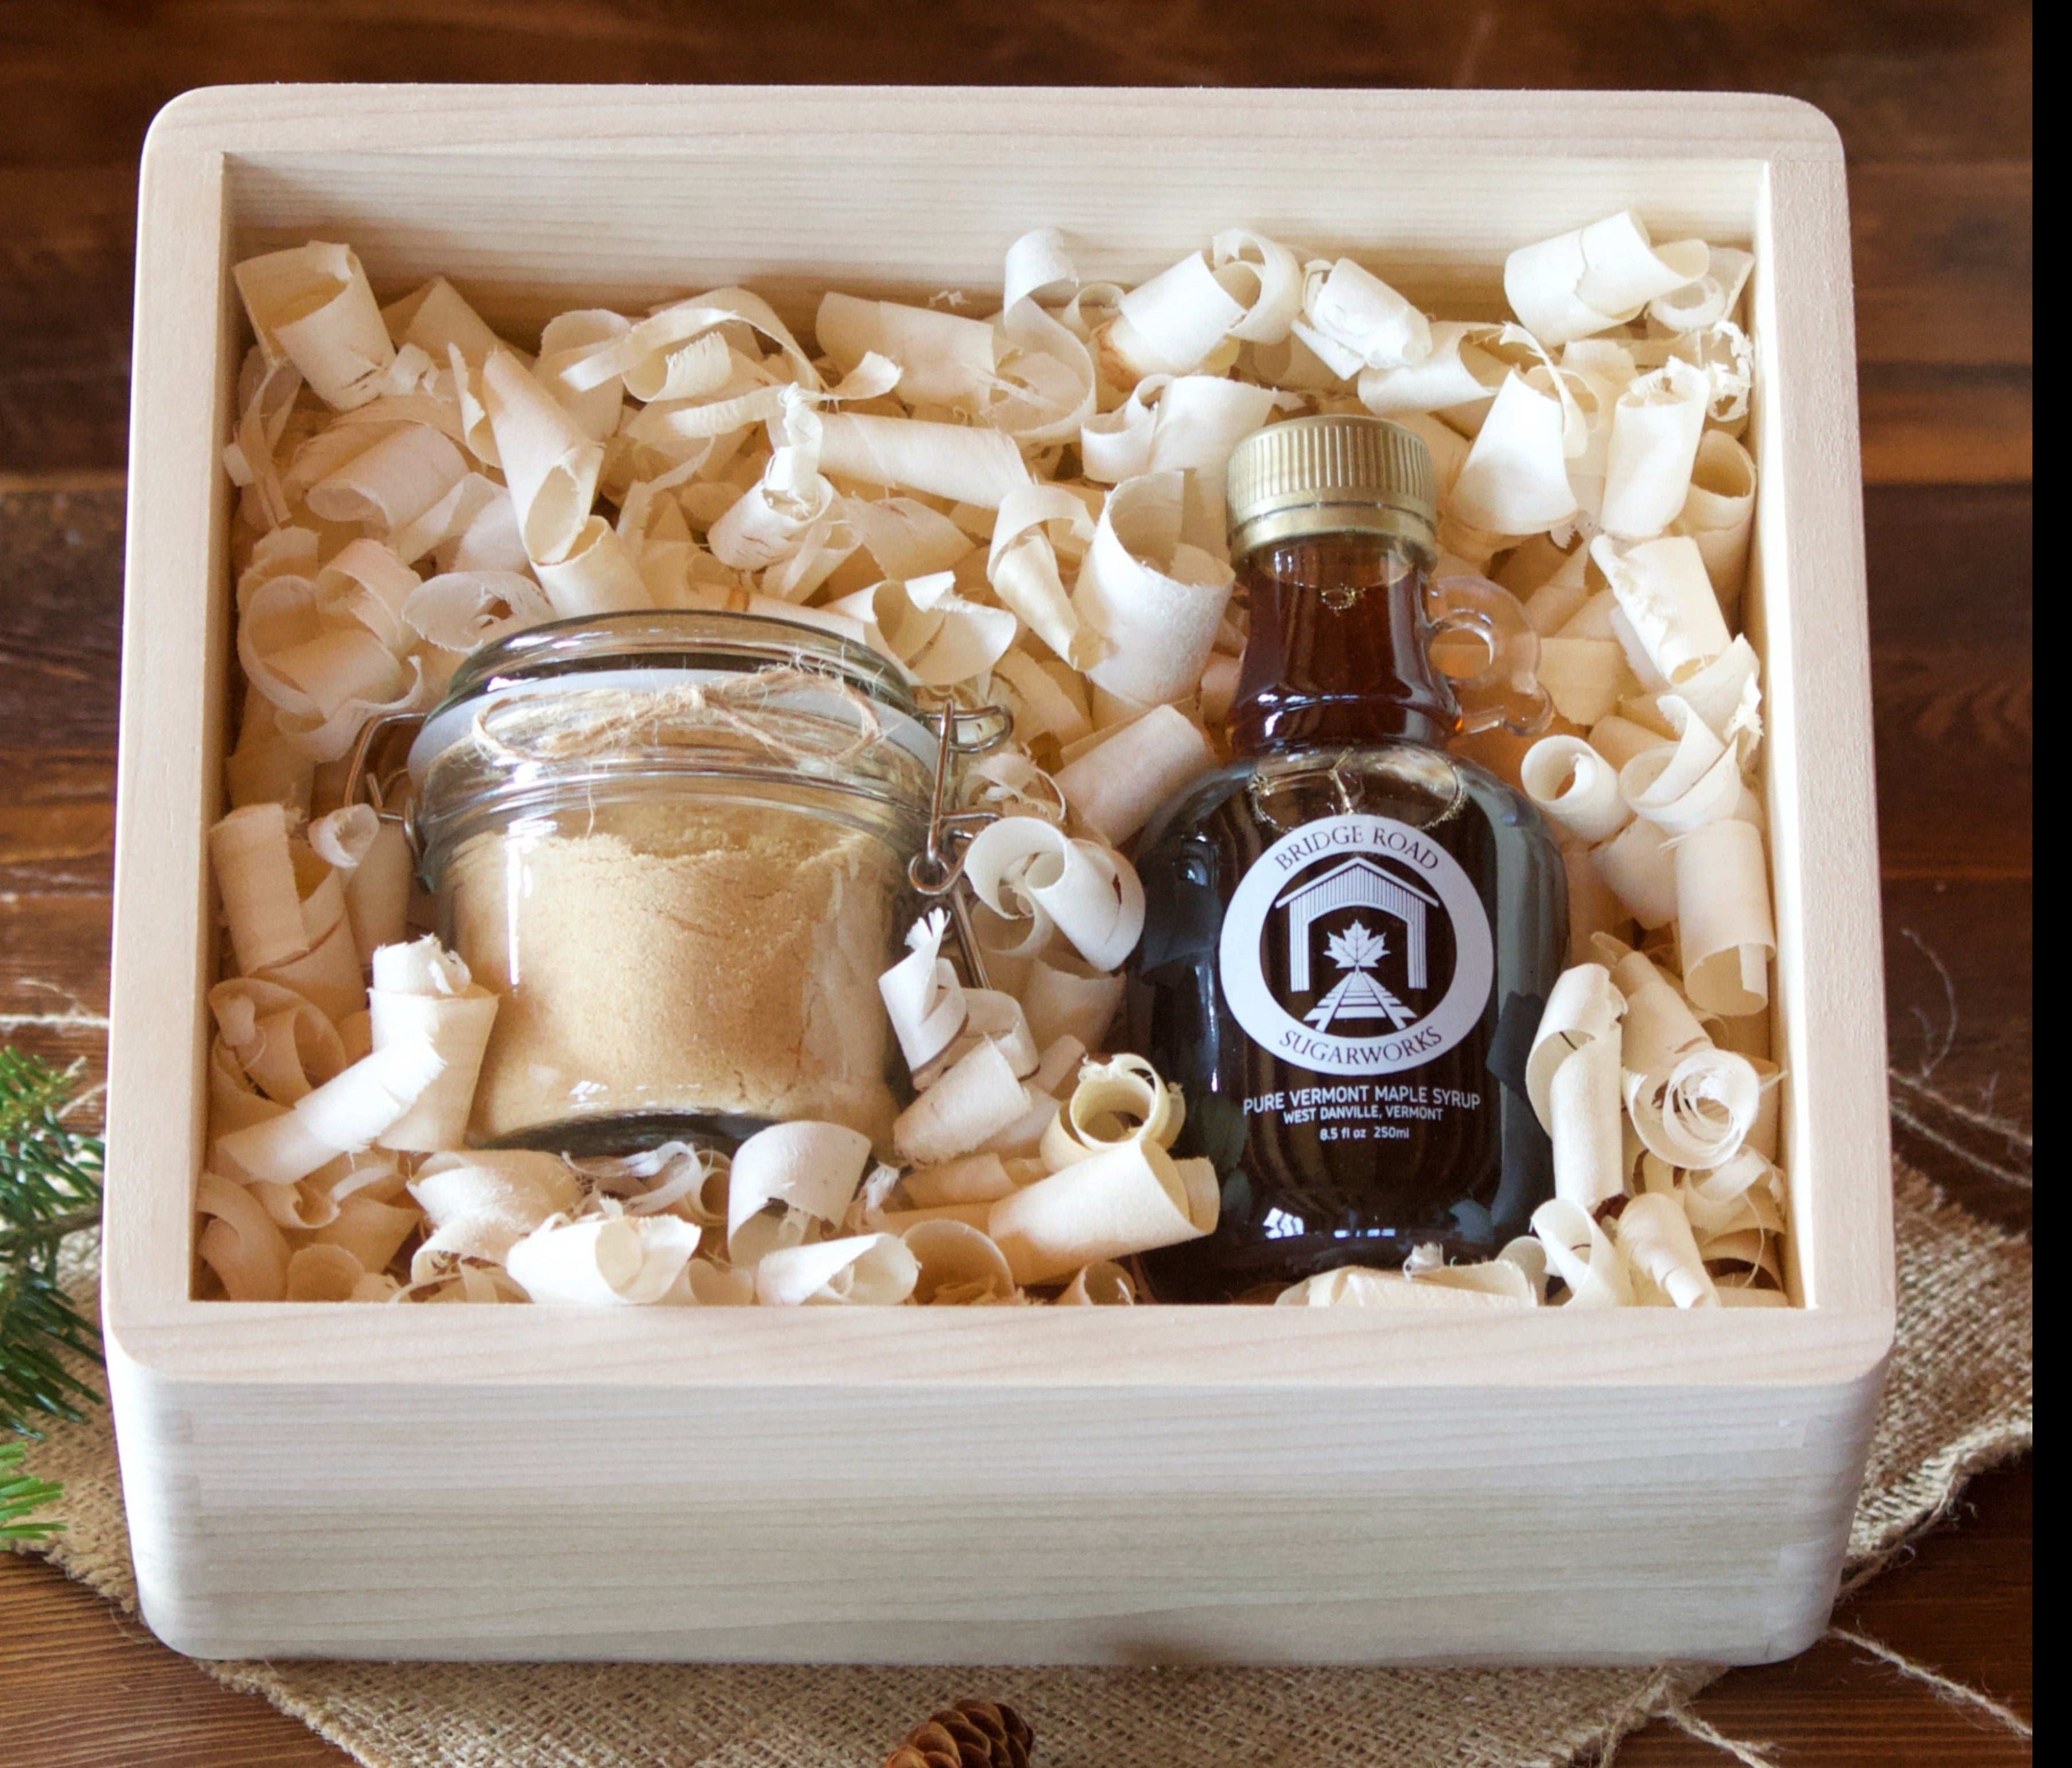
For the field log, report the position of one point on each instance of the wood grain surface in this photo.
(1934, 99)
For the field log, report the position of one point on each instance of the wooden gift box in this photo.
(1158, 1484)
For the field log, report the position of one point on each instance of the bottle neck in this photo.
(1337, 653)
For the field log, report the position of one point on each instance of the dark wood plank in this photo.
(84, 1686)
(1952, 629)
(1979, 1573)
(1915, 79)
(54, 985)
(60, 587)
(1944, 262)
(1928, 425)
(1961, 1031)
(60, 640)
(66, 234)
(57, 824)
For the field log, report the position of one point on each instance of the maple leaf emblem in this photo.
(1358, 948)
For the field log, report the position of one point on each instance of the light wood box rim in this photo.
(302, 117)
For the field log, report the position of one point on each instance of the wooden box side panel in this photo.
(521, 235)
(175, 666)
(1808, 615)
(916, 1525)
(547, 195)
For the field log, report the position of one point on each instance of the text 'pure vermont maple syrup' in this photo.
(1351, 934)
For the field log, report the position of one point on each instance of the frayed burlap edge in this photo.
(1966, 1318)
(1961, 1398)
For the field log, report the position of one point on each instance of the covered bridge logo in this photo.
(1356, 944)
(1357, 950)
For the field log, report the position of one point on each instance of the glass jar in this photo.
(677, 846)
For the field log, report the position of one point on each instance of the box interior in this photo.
(526, 233)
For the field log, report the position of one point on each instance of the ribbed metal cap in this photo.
(1320, 475)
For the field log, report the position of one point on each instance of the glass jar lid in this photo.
(665, 645)
(600, 702)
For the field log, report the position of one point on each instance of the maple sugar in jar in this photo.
(676, 845)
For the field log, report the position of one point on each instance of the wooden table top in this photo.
(1934, 101)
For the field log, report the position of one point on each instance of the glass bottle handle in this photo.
(1484, 645)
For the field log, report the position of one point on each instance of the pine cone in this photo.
(972, 1734)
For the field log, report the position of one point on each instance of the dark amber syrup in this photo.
(1362, 951)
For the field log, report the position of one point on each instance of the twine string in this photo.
(597, 721)
(1947, 1689)
(1675, 1708)
(1749, 1754)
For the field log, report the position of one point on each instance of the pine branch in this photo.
(19, 1495)
(50, 1187)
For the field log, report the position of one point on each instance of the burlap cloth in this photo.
(1961, 1396)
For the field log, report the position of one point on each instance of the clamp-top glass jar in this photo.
(678, 844)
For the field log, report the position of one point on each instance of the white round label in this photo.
(1357, 945)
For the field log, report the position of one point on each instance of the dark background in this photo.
(1933, 98)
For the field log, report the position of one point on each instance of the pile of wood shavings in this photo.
(1026, 508)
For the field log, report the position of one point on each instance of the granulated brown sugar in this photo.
(681, 955)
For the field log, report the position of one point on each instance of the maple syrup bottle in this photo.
(1349, 933)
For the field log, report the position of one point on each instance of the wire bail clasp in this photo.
(364, 784)
(961, 732)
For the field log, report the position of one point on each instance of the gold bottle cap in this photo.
(1329, 475)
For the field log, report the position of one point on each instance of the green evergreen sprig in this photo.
(19, 1495)
(50, 1187)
